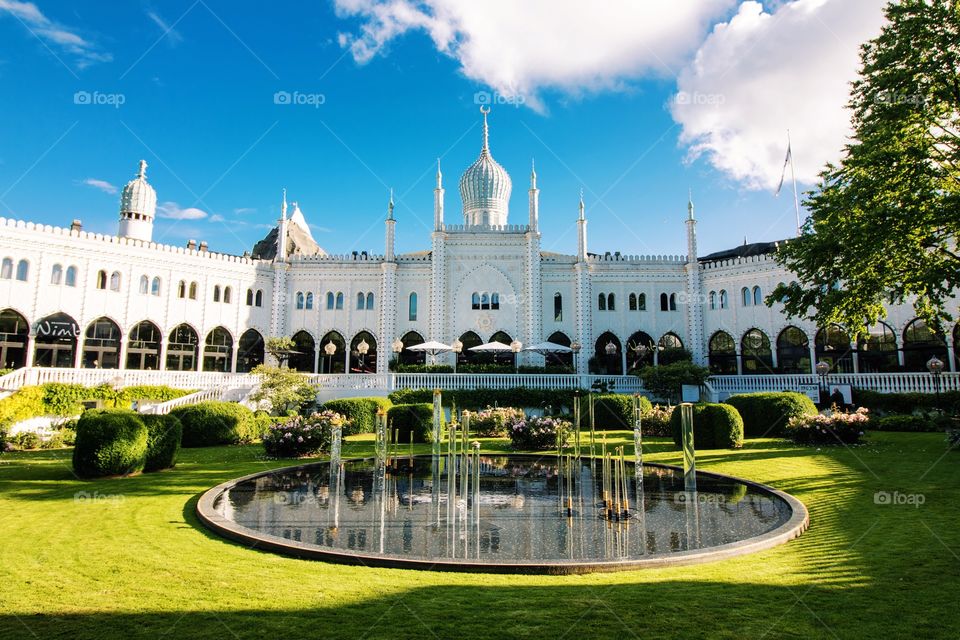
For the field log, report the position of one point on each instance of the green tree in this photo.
(287, 391)
(665, 381)
(884, 222)
(280, 348)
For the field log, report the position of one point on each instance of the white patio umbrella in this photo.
(433, 348)
(492, 347)
(548, 347)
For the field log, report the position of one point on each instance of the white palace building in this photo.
(75, 305)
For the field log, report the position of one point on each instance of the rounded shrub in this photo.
(767, 414)
(539, 434)
(163, 441)
(302, 436)
(494, 422)
(361, 413)
(412, 418)
(110, 442)
(930, 422)
(715, 426)
(207, 424)
(613, 411)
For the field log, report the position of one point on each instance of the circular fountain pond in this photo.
(500, 513)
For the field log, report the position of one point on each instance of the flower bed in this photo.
(301, 436)
(539, 434)
(830, 427)
(657, 421)
(494, 422)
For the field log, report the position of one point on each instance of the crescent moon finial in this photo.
(484, 109)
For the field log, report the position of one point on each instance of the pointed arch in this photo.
(250, 350)
(606, 359)
(642, 302)
(333, 362)
(470, 339)
(671, 349)
(664, 302)
(757, 296)
(359, 362)
(722, 354)
(611, 302)
(561, 359)
(793, 351)
(639, 350)
(755, 352)
(143, 346)
(155, 286)
(361, 301)
(258, 299)
(56, 274)
(182, 346)
(101, 345)
(56, 341)
(218, 350)
(308, 303)
(299, 299)
(369, 300)
(249, 299)
(833, 346)
(410, 339)
(601, 302)
(920, 343)
(14, 336)
(339, 300)
(724, 299)
(304, 358)
(877, 349)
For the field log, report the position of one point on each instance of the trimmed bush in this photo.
(613, 411)
(494, 422)
(360, 412)
(767, 414)
(657, 422)
(884, 403)
(412, 418)
(914, 423)
(163, 441)
(833, 427)
(299, 436)
(715, 426)
(111, 442)
(208, 424)
(539, 434)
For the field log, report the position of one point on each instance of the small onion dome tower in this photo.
(485, 187)
(138, 205)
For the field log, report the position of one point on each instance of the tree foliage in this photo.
(665, 381)
(280, 348)
(884, 222)
(287, 391)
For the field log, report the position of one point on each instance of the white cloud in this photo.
(760, 74)
(50, 32)
(103, 185)
(172, 211)
(520, 48)
(173, 37)
(244, 210)
(217, 218)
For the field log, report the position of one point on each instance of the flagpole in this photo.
(793, 176)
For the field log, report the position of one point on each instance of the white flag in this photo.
(783, 173)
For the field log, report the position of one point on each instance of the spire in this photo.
(486, 131)
(390, 206)
(283, 206)
(581, 205)
(439, 175)
(143, 170)
(690, 205)
(533, 174)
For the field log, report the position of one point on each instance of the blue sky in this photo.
(189, 86)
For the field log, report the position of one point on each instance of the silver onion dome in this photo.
(485, 187)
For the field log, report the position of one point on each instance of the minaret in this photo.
(278, 307)
(438, 201)
(138, 206)
(282, 231)
(695, 303)
(390, 231)
(534, 200)
(581, 233)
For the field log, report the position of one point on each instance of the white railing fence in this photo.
(163, 408)
(724, 386)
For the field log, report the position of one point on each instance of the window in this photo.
(369, 300)
(557, 307)
(216, 293)
(757, 296)
(361, 301)
(632, 302)
(412, 312)
(299, 299)
(193, 290)
(249, 297)
(101, 279)
(144, 284)
(115, 281)
(494, 301)
(664, 302)
(642, 302)
(475, 301)
(155, 286)
(227, 293)
(329, 300)
(56, 275)
(259, 298)
(309, 303)
(745, 296)
(673, 302)
(602, 302)
(6, 272)
(484, 301)
(23, 268)
(713, 299)
(71, 279)
(724, 303)
(339, 300)
(611, 302)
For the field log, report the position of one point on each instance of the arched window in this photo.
(673, 302)
(723, 354)
(299, 299)
(304, 356)
(369, 300)
(360, 362)
(607, 355)
(14, 333)
(756, 353)
(664, 302)
(155, 286)
(745, 296)
(470, 340)
(101, 279)
(485, 300)
(181, 289)
(632, 302)
(757, 297)
(23, 268)
(332, 362)
(640, 349)
(671, 349)
(361, 301)
(101, 345)
(833, 346)
(193, 290)
(494, 301)
(712, 297)
(218, 350)
(561, 359)
(258, 299)
(330, 301)
(56, 341)
(115, 281)
(182, 349)
(216, 293)
(724, 301)
(475, 301)
(611, 302)
(144, 284)
(56, 274)
(411, 339)
(793, 351)
(227, 295)
(557, 307)
(250, 350)
(602, 302)
(877, 349)
(71, 279)
(143, 347)
(308, 304)
(339, 300)
(642, 302)
(412, 310)
(6, 271)
(249, 297)
(920, 344)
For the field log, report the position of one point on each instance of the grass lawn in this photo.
(134, 561)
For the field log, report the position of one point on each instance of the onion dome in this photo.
(138, 197)
(485, 187)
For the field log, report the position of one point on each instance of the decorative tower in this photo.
(388, 288)
(534, 200)
(584, 296)
(438, 201)
(694, 305)
(390, 231)
(485, 187)
(532, 304)
(581, 233)
(138, 205)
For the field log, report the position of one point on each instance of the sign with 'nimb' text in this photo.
(57, 329)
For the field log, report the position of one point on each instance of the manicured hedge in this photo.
(412, 418)
(914, 423)
(483, 398)
(361, 412)
(208, 424)
(905, 403)
(109, 443)
(163, 441)
(767, 414)
(613, 411)
(715, 426)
